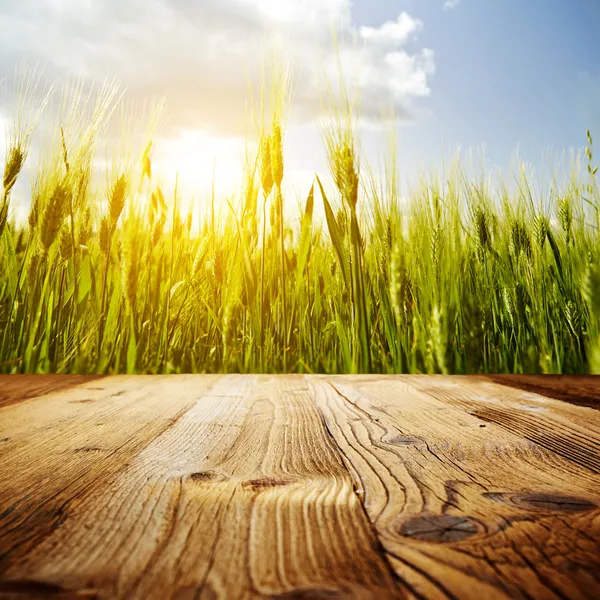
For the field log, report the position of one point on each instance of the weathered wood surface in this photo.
(290, 487)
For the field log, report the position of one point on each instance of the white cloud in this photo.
(450, 4)
(393, 32)
(199, 54)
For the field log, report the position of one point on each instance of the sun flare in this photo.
(198, 160)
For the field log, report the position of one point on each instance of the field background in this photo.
(459, 277)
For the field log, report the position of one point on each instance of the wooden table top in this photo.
(291, 487)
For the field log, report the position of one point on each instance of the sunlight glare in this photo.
(196, 157)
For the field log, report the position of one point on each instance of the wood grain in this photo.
(581, 390)
(465, 507)
(59, 447)
(16, 388)
(573, 433)
(244, 495)
(293, 487)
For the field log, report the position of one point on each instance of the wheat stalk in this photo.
(53, 215)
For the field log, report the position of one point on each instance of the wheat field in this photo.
(456, 278)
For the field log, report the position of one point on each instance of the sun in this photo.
(199, 160)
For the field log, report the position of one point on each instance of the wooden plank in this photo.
(582, 390)
(573, 432)
(465, 507)
(244, 496)
(16, 388)
(58, 448)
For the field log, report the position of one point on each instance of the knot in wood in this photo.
(207, 477)
(543, 501)
(403, 440)
(439, 528)
(263, 483)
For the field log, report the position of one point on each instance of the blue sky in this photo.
(504, 73)
(507, 72)
(511, 75)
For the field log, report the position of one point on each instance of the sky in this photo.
(507, 74)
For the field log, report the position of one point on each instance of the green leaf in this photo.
(344, 342)
(558, 261)
(12, 261)
(335, 233)
(251, 277)
(305, 237)
(85, 279)
(31, 349)
(45, 353)
(131, 348)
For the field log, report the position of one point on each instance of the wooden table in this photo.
(297, 486)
